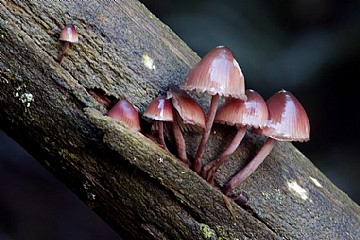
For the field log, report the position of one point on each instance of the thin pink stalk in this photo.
(210, 168)
(180, 142)
(161, 135)
(251, 166)
(65, 47)
(206, 133)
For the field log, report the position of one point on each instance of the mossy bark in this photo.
(57, 113)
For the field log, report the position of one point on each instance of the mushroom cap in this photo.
(252, 112)
(187, 108)
(159, 109)
(217, 73)
(123, 111)
(288, 120)
(69, 34)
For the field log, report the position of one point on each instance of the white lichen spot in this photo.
(296, 188)
(16, 93)
(316, 182)
(92, 196)
(160, 160)
(26, 99)
(148, 62)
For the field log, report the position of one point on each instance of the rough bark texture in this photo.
(57, 113)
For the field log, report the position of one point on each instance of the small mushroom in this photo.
(287, 121)
(252, 112)
(68, 35)
(160, 110)
(217, 74)
(188, 116)
(124, 111)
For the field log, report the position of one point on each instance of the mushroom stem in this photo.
(161, 135)
(65, 47)
(206, 132)
(210, 168)
(251, 166)
(180, 142)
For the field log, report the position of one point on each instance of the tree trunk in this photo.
(57, 113)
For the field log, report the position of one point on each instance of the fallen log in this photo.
(57, 112)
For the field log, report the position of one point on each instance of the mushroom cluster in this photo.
(280, 118)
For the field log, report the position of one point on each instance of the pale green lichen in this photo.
(66, 154)
(207, 232)
(224, 235)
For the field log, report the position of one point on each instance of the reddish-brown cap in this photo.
(160, 109)
(188, 109)
(124, 111)
(288, 120)
(253, 112)
(69, 34)
(217, 73)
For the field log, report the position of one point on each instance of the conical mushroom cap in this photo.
(252, 112)
(217, 73)
(159, 109)
(288, 120)
(124, 111)
(69, 34)
(188, 109)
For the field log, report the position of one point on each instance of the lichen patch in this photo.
(207, 232)
(148, 62)
(23, 95)
(316, 182)
(26, 99)
(298, 190)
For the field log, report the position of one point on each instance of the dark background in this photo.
(309, 47)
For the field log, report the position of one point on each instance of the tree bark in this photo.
(57, 112)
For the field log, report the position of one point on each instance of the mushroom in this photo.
(188, 116)
(252, 112)
(160, 110)
(123, 111)
(217, 74)
(287, 121)
(68, 35)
